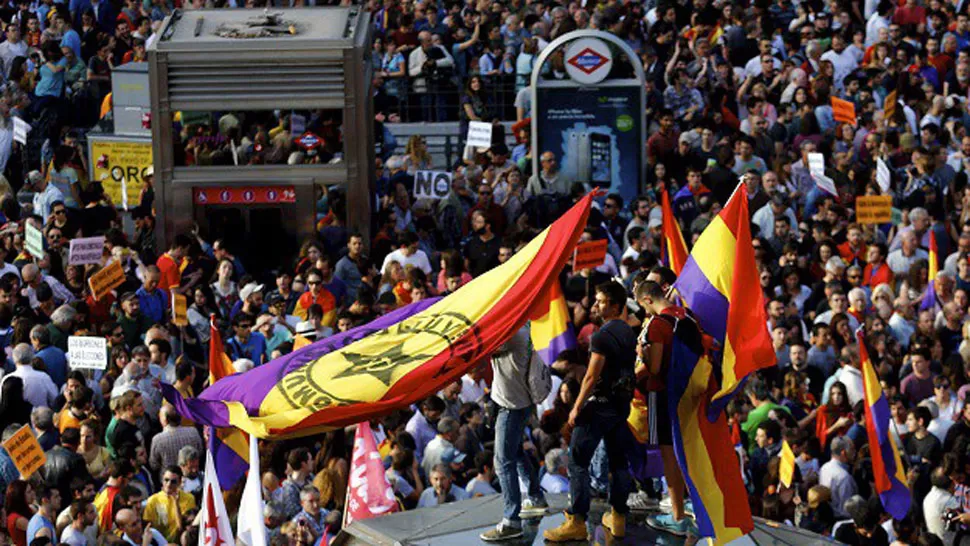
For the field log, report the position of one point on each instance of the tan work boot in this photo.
(573, 529)
(615, 522)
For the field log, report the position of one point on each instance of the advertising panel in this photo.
(594, 133)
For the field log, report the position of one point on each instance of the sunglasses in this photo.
(312, 283)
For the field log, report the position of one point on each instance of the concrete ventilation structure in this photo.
(211, 71)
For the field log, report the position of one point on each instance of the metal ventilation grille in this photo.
(211, 86)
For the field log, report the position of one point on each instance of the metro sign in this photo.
(588, 61)
(308, 141)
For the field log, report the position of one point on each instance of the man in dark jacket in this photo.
(65, 464)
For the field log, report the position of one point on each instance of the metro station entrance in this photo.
(260, 234)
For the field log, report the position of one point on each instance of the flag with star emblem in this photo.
(398, 359)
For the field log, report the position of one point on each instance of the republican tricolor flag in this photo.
(887, 466)
(673, 249)
(229, 446)
(930, 299)
(404, 356)
(720, 284)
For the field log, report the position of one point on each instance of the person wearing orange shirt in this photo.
(853, 250)
(170, 264)
(877, 270)
(319, 295)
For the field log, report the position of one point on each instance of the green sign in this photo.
(34, 241)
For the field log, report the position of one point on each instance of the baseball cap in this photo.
(274, 298)
(452, 455)
(249, 290)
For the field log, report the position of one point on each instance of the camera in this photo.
(950, 519)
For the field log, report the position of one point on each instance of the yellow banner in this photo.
(120, 162)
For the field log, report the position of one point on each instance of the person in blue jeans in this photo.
(510, 391)
(600, 413)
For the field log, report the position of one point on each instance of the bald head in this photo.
(425, 38)
(30, 272)
(125, 517)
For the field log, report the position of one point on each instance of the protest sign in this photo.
(843, 111)
(883, 175)
(479, 134)
(34, 241)
(25, 451)
(88, 250)
(88, 352)
(106, 280)
(589, 255)
(874, 209)
(431, 184)
(180, 310)
(20, 130)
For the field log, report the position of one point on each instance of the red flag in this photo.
(369, 493)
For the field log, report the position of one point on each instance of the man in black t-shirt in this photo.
(600, 413)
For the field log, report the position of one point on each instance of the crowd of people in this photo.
(737, 93)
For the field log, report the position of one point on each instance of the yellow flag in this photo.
(786, 471)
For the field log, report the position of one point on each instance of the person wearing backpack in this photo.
(600, 413)
(665, 321)
(521, 380)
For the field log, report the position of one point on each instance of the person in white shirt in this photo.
(45, 194)
(556, 479)
(843, 61)
(408, 254)
(83, 515)
(937, 502)
(12, 48)
(39, 389)
(836, 474)
(442, 489)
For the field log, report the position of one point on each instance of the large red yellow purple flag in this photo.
(930, 299)
(673, 249)
(398, 359)
(887, 466)
(229, 447)
(719, 283)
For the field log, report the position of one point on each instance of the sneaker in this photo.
(666, 505)
(534, 508)
(641, 502)
(665, 523)
(501, 532)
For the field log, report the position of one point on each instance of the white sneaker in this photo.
(641, 502)
(666, 505)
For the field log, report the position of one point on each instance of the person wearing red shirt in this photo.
(853, 250)
(877, 271)
(910, 14)
(170, 264)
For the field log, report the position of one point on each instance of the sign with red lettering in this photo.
(244, 195)
(589, 255)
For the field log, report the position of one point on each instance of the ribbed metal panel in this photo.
(206, 85)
